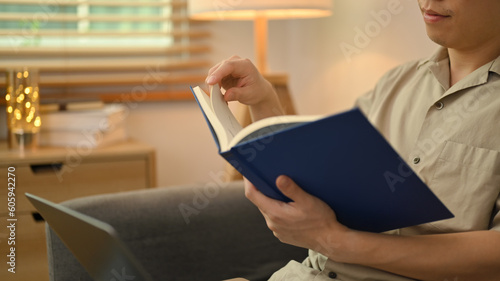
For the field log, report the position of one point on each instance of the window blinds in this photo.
(141, 49)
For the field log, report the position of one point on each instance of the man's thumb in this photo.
(289, 188)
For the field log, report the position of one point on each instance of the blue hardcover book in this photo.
(341, 159)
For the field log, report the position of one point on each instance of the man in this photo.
(443, 116)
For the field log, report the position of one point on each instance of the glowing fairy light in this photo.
(29, 118)
(17, 114)
(20, 98)
(35, 94)
(38, 121)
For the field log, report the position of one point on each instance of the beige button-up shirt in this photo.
(450, 136)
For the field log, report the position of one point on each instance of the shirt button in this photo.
(332, 275)
(439, 105)
(416, 160)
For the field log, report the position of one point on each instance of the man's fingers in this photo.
(260, 200)
(290, 189)
(234, 66)
(219, 71)
(254, 195)
(212, 69)
(232, 94)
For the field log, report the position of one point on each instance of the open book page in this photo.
(222, 122)
(223, 113)
(270, 125)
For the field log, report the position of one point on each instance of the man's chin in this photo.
(438, 39)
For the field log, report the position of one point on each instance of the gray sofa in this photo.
(193, 232)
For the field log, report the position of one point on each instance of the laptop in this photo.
(94, 243)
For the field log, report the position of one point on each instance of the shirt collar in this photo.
(438, 65)
(495, 66)
(440, 54)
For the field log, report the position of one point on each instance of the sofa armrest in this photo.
(193, 232)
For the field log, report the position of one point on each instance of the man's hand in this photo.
(306, 222)
(243, 83)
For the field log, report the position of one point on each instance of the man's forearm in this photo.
(457, 256)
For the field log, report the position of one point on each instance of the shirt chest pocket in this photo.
(467, 180)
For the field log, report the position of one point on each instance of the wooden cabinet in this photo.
(59, 174)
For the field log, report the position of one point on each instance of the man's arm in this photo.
(456, 256)
(310, 223)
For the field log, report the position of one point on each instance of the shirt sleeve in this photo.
(365, 102)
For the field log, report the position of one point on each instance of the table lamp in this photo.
(260, 11)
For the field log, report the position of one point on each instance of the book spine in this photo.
(245, 167)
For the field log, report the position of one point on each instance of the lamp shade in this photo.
(250, 9)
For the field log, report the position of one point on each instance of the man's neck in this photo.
(464, 62)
